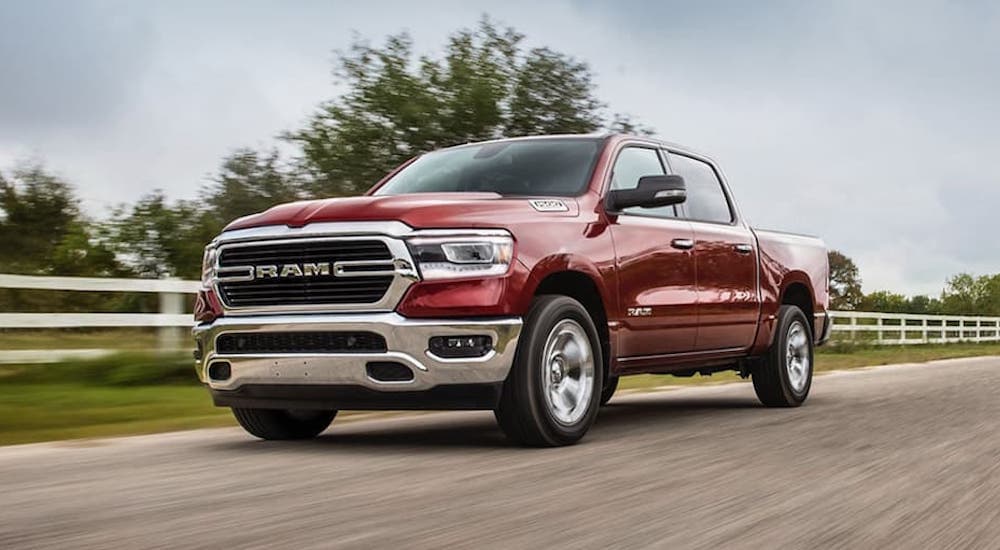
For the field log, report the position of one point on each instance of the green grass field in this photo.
(137, 393)
(119, 339)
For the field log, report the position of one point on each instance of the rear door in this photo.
(725, 254)
(655, 264)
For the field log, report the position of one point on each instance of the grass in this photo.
(127, 393)
(46, 412)
(118, 339)
(137, 393)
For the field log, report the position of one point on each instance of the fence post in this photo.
(171, 338)
(878, 334)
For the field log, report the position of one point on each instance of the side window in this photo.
(706, 201)
(633, 163)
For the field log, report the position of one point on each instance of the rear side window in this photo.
(632, 164)
(706, 201)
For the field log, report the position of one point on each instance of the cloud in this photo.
(65, 66)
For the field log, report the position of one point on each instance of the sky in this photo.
(872, 126)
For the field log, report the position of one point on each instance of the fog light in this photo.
(220, 371)
(452, 347)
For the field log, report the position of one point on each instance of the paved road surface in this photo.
(901, 457)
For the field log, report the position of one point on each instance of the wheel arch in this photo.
(799, 293)
(795, 289)
(587, 288)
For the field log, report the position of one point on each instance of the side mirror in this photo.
(652, 191)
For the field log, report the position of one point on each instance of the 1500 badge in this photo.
(639, 311)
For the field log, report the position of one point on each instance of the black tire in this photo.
(608, 391)
(523, 414)
(277, 424)
(771, 379)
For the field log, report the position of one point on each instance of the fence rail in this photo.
(908, 328)
(875, 328)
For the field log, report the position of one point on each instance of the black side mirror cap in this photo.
(652, 192)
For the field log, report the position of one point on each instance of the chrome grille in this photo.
(356, 282)
(287, 252)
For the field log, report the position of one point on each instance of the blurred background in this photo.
(131, 133)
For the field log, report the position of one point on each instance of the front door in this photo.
(656, 268)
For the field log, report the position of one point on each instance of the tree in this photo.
(552, 94)
(922, 304)
(42, 230)
(623, 123)
(397, 106)
(248, 182)
(965, 294)
(845, 282)
(157, 239)
(884, 301)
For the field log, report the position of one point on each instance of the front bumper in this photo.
(406, 342)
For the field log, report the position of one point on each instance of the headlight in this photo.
(208, 266)
(458, 256)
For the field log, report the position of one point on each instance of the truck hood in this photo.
(421, 211)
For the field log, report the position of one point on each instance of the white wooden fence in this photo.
(875, 328)
(171, 320)
(906, 328)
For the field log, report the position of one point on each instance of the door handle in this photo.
(682, 244)
(743, 248)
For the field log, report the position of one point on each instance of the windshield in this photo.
(545, 167)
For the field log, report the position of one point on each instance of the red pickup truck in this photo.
(523, 276)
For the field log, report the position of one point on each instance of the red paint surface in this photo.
(710, 300)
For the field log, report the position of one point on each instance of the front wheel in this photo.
(784, 377)
(282, 424)
(553, 391)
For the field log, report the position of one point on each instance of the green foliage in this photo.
(845, 282)
(884, 301)
(43, 233)
(42, 230)
(622, 123)
(156, 239)
(970, 295)
(552, 94)
(964, 294)
(397, 106)
(121, 369)
(890, 302)
(248, 182)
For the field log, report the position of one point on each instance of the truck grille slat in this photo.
(236, 288)
(232, 259)
(322, 288)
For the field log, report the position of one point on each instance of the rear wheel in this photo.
(283, 424)
(784, 377)
(553, 391)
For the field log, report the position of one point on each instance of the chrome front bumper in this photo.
(406, 341)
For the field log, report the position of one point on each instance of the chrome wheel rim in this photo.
(567, 372)
(798, 360)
